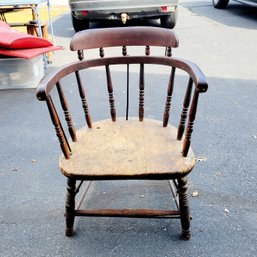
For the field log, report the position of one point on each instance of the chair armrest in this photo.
(49, 81)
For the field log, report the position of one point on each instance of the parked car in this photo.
(84, 11)
(222, 4)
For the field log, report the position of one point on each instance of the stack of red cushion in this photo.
(18, 44)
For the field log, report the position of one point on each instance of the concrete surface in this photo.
(59, 2)
(223, 44)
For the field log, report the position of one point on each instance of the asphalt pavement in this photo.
(224, 212)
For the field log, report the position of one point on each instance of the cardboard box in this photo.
(17, 73)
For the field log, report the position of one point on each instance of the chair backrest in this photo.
(129, 36)
(123, 37)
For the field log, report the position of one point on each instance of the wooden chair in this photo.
(126, 148)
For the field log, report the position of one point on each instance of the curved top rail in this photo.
(48, 82)
(137, 36)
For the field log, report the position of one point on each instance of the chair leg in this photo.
(70, 206)
(184, 208)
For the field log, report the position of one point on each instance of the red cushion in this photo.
(28, 53)
(13, 39)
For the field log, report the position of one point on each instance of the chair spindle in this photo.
(147, 50)
(124, 53)
(58, 128)
(190, 124)
(84, 100)
(110, 91)
(127, 103)
(80, 55)
(141, 92)
(168, 51)
(169, 98)
(67, 115)
(101, 52)
(124, 50)
(186, 103)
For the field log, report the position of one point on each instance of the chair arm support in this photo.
(49, 81)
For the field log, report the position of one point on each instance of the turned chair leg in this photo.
(70, 206)
(184, 208)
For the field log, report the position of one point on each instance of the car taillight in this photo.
(84, 13)
(164, 8)
(167, 8)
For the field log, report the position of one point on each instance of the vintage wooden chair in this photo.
(129, 147)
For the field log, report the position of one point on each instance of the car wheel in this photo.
(220, 4)
(169, 21)
(79, 25)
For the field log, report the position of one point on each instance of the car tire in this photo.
(79, 25)
(220, 4)
(169, 21)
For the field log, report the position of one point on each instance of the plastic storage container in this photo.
(17, 73)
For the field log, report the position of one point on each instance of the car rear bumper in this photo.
(112, 5)
(116, 14)
(112, 9)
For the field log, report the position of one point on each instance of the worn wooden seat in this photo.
(127, 148)
(124, 147)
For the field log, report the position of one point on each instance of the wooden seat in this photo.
(126, 147)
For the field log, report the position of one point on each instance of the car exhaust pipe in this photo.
(124, 18)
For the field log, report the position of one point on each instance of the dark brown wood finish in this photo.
(101, 52)
(129, 213)
(110, 91)
(70, 206)
(184, 207)
(190, 124)
(124, 53)
(125, 148)
(58, 128)
(168, 51)
(128, 36)
(49, 81)
(124, 50)
(127, 101)
(67, 116)
(83, 100)
(141, 92)
(147, 50)
(166, 114)
(80, 55)
(186, 103)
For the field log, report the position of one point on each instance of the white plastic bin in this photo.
(17, 73)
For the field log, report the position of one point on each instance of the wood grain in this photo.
(127, 148)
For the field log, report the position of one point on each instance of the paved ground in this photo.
(59, 2)
(224, 214)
